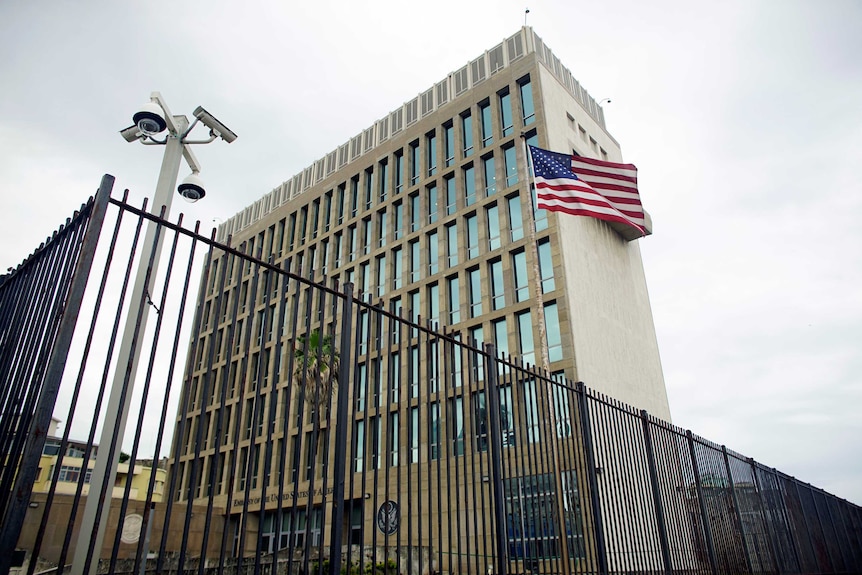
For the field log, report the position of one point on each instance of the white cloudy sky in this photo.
(743, 116)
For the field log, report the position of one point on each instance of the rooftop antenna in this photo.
(527, 11)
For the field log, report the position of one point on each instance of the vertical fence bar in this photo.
(704, 515)
(340, 472)
(14, 517)
(586, 431)
(656, 494)
(736, 513)
(496, 461)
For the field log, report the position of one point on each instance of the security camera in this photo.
(192, 188)
(213, 124)
(132, 133)
(150, 119)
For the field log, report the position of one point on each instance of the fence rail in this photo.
(313, 430)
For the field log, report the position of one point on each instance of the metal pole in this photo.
(340, 471)
(737, 513)
(592, 479)
(146, 550)
(656, 494)
(704, 515)
(496, 460)
(105, 470)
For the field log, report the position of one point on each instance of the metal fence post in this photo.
(656, 495)
(737, 514)
(496, 459)
(14, 519)
(770, 536)
(587, 437)
(704, 515)
(339, 473)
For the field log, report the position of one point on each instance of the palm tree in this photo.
(316, 360)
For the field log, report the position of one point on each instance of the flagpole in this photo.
(530, 178)
(551, 422)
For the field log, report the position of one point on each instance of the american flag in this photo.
(587, 187)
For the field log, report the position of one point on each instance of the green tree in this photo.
(316, 359)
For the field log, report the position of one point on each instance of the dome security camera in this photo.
(150, 119)
(192, 188)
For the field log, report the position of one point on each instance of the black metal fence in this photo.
(311, 430)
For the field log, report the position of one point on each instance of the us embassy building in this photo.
(429, 215)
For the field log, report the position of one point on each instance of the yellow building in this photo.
(72, 462)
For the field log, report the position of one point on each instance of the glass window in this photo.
(475, 281)
(493, 219)
(490, 176)
(381, 275)
(397, 268)
(487, 126)
(477, 338)
(501, 337)
(457, 419)
(359, 446)
(352, 243)
(303, 221)
(414, 212)
(452, 244)
(365, 273)
(451, 196)
(414, 435)
(381, 229)
(431, 193)
(393, 439)
(399, 172)
(449, 143)
(552, 329)
(434, 303)
(414, 163)
(414, 261)
(434, 431)
(507, 128)
(414, 311)
(413, 370)
(398, 224)
(327, 210)
(340, 204)
(433, 254)
(498, 290)
(527, 102)
(366, 236)
(395, 308)
(369, 188)
(454, 300)
(480, 421)
(546, 265)
(354, 196)
(525, 337)
(467, 133)
(384, 181)
(516, 220)
(431, 142)
(511, 163)
(469, 186)
(337, 250)
(519, 267)
(472, 236)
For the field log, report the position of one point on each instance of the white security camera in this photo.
(150, 119)
(132, 133)
(213, 124)
(192, 188)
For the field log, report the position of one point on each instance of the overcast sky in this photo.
(743, 117)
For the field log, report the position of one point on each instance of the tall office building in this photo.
(430, 212)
